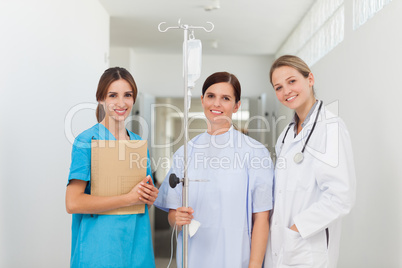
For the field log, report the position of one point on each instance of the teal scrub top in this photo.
(106, 240)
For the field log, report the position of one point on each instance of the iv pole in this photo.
(185, 27)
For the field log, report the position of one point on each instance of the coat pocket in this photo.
(300, 181)
(296, 250)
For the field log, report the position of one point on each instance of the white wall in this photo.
(120, 56)
(362, 74)
(52, 54)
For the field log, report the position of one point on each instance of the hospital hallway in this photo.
(53, 53)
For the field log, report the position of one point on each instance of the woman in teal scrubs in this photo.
(108, 240)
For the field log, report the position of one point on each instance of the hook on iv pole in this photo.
(185, 26)
(201, 27)
(168, 28)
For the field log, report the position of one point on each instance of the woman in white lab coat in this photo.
(314, 174)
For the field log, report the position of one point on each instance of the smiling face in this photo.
(219, 104)
(119, 101)
(293, 89)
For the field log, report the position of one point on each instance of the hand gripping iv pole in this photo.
(185, 199)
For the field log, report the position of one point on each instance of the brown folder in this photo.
(116, 167)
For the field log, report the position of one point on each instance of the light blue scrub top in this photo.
(239, 171)
(106, 240)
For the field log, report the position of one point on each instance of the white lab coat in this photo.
(314, 194)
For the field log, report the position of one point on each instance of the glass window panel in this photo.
(363, 10)
(321, 29)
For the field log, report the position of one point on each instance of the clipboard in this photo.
(116, 167)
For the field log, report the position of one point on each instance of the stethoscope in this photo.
(298, 158)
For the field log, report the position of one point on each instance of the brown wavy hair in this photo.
(107, 78)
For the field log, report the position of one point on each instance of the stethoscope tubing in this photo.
(312, 129)
(309, 135)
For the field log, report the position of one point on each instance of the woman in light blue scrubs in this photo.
(233, 204)
(108, 240)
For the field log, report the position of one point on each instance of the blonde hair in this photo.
(290, 61)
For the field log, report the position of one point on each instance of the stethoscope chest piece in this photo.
(298, 158)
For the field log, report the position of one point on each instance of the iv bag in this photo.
(194, 54)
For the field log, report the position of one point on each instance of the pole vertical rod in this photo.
(185, 181)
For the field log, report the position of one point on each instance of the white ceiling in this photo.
(242, 27)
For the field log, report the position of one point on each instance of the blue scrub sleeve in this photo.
(80, 168)
(261, 181)
(168, 197)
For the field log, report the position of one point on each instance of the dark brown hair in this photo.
(223, 77)
(107, 78)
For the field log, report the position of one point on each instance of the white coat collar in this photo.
(307, 124)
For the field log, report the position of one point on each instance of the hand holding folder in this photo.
(144, 192)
